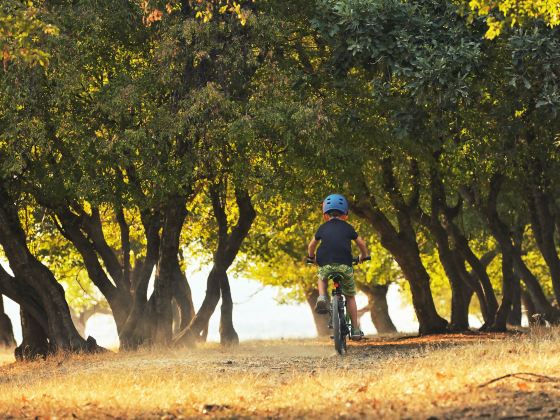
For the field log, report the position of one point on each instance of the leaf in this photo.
(524, 386)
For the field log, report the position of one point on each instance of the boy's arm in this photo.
(363, 248)
(312, 247)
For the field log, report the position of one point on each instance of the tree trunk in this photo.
(133, 333)
(479, 270)
(508, 278)
(61, 332)
(378, 308)
(514, 317)
(183, 299)
(503, 236)
(419, 280)
(119, 300)
(321, 320)
(228, 335)
(542, 305)
(168, 271)
(459, 309)
(543, 227)
(229, 244)
(6, 330)
(35, 343)
(199, 323)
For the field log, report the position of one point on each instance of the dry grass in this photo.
(388, 377)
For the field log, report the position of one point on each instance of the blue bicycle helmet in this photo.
(335, 202)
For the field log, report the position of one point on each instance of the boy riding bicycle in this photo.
(335, 256)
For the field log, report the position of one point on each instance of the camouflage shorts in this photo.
(347, 284)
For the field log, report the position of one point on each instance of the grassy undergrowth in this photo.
(386, 377)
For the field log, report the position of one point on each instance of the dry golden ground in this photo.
(438, 376)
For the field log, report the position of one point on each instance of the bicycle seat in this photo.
(336, 277)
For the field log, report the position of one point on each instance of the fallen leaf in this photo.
(523, 386)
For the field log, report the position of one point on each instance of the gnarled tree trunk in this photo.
(35, 342)
(514, 317)
(228, 335)
(217, 284)
(378, 308)
(168, 271)
(6, 329)
(41, 291)
(403, 246)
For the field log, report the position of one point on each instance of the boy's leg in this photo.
(322, 304)
(349, 290)
(322, 286)
(352, 310)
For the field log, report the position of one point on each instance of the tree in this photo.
(6, 330)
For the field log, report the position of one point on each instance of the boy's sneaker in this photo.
(356, 334)
(322, 305)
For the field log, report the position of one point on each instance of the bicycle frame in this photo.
(339, 321)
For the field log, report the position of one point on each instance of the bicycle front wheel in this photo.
(338, 330)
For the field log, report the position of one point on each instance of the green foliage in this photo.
(23, 33)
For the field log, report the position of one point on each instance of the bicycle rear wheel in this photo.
(338, 330)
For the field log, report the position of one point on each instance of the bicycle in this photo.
(339, 320)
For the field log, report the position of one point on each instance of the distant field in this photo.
(392, 377)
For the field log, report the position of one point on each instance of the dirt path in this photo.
(392, 377)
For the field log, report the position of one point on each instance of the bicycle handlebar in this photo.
(356, 260)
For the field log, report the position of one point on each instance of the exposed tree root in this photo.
(532, 377)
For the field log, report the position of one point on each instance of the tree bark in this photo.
(459, 309)
(321, 320)
(194, 332)
(543, 227)
(133, 333)
(48, 292)
(478, 266)
(440, 224)
(70, 226)
(35, 343)
(378, 308)
(182, 296)
(228, 335)
(514, 317)
(168, 270)
(508, 278)
(6, 329)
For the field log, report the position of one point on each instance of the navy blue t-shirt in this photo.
(336, 238)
